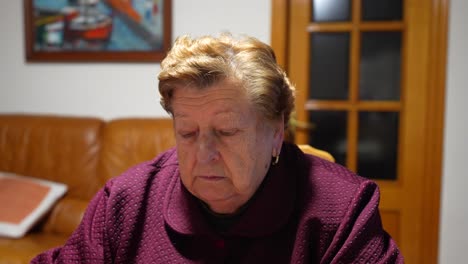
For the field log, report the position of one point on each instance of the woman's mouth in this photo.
(211, 178)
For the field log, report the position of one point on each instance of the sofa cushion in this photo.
(65, 216)
(127, 142)
(24, 201)
(60, 149)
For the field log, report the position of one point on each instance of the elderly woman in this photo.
(231, 191)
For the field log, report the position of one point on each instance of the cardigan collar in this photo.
(269, 209)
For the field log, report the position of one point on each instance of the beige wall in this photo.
(454, 215)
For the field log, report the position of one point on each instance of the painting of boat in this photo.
(113, 26)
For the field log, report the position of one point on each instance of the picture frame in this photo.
(97, 30)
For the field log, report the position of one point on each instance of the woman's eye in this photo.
(187, 134)
(227, 132)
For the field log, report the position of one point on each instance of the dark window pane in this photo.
(378, 145)
(329, 133)
(382, 10)
(380, 66)
(329, 66)
(331, 10)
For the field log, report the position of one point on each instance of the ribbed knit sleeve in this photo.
(88, 242)
(360, 237)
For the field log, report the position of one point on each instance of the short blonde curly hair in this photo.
(202, 62)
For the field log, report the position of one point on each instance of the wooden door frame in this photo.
(436, 72)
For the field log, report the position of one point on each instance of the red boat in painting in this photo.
(86, 22)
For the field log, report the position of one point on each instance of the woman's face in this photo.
(224, 146)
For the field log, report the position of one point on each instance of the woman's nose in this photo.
(207, 151)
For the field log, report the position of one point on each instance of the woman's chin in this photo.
(223, 210)
(219, 203)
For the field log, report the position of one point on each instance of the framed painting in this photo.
(97, 30)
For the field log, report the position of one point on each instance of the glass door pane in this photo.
(329, 66)
(377, 145)
(380, 70)
(331, 10)
(329, 133)
(382, 9)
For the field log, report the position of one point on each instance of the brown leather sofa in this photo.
(80, 152)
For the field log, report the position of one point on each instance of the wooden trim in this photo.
(28, 31)
(385, 106)
(352, 140)
(329, 27)
(403, 86)
(354, 69)
(101, 55)
(382, 26)
(355, 54)
(413, 132)
(386, 184)
(279, 31)
(299, 39)
(355, 25)
(327, 105)
(435, 130)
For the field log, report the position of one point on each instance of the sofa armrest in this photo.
(65, 216)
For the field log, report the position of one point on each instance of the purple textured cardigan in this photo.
(308, 210)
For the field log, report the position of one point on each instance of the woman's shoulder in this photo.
(339, 211)
(326, 185)
(321, 170)
(333, 180)
(138, 178)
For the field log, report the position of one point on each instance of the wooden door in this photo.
(370, 83)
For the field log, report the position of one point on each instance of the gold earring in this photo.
(276, 160)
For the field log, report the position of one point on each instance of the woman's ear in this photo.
(278, 136)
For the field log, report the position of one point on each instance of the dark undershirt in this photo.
(222, 222)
